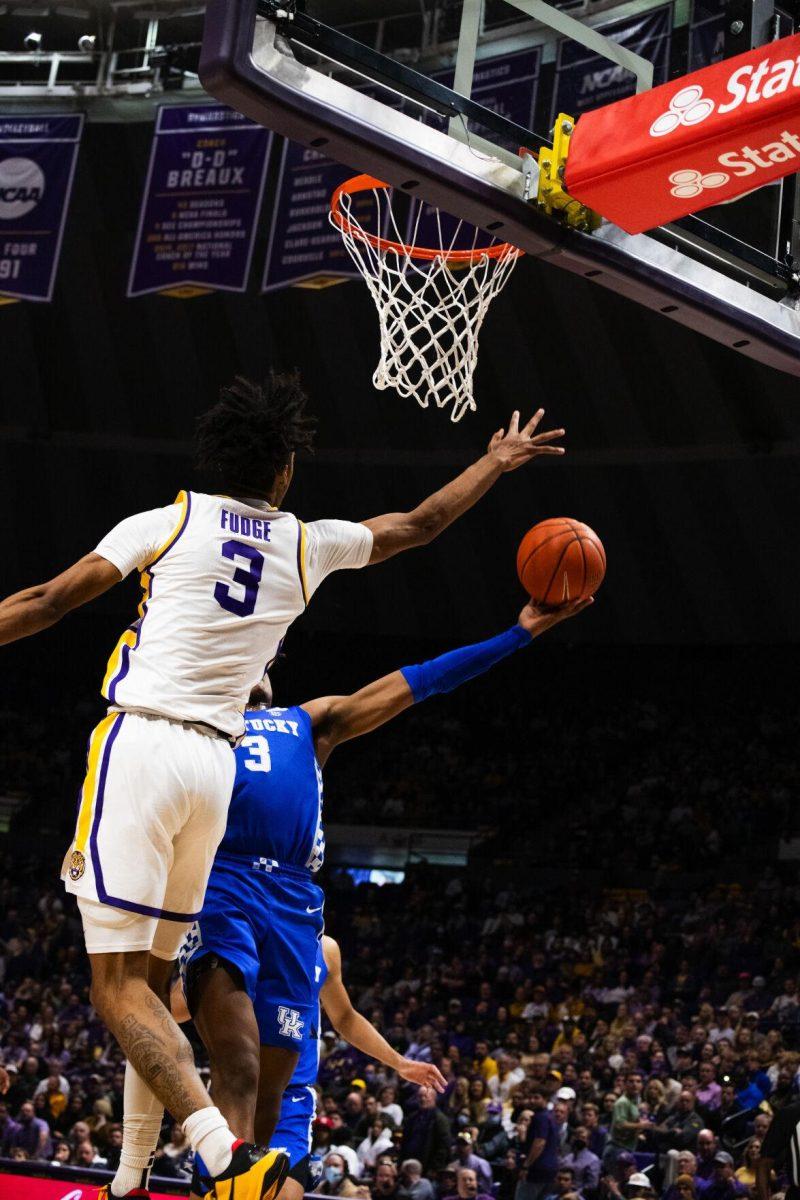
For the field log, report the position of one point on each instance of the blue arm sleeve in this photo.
(448, 671)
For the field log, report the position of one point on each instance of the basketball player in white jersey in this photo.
(223, 576)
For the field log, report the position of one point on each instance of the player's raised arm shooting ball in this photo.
(223, 574)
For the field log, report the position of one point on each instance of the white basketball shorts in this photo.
(152, 812)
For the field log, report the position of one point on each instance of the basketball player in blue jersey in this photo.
(223, 576)
(251, 965)
(298, 1105)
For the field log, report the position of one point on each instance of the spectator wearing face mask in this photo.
(492, 1140)
(585, 1165)
(336, 1179)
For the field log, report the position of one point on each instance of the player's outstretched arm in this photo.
(337, 719)
(356, 1029)
(395, 532)
(40, 607)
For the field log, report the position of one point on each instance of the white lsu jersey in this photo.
(222, 580)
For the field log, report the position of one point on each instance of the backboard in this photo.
(438, 99)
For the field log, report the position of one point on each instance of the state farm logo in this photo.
(687, 107)
(688, 184)
(748, 84)
(21, 187)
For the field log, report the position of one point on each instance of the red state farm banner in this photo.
(707, 137)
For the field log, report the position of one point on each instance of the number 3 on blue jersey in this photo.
(241, 606)
(258, 758)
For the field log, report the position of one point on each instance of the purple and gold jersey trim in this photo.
(119, 663)
(301, 560)
(90, 814)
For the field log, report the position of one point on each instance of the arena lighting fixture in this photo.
(33, 40)
(87, 43)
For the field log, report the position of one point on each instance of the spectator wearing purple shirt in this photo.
(707, 1146)
(585, 1165)
(467, 1186)
(33, 1134)
(8, 1127)
(709, 1092)
(466, 1157)
(724, 1185)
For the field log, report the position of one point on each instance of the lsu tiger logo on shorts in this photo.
(77, 866)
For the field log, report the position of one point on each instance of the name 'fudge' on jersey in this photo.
(276, 808)
(222, 580)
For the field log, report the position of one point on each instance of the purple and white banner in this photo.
(305, 250)
(37, 166)
(585, 80)
(507, 85)
(197, 225)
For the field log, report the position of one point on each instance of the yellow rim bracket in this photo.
(552, 195)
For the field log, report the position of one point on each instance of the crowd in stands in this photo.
(644, 1034)
(704, 775)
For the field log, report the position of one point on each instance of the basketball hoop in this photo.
(431, 301)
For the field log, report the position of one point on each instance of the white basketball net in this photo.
(430, 309)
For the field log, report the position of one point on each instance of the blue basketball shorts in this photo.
(266, 922)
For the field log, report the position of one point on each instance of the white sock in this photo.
(141, 1126)
(211, 1138)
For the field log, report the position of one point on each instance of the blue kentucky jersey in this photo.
(276, 808)
(305, 1073)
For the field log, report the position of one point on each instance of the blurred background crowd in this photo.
(647, 1035)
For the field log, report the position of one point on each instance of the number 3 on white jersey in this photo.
(259, 749)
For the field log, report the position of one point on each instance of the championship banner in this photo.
(507, 85)
(698, 141)
(584, 80)
(202, 197)
(37, 166)
(304, 249)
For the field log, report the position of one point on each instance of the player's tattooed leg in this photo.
(146, 1032)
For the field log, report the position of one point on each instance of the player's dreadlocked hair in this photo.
(249, 435)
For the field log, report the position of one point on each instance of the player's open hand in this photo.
(425, 1074)
(513, 448)
(539, 620)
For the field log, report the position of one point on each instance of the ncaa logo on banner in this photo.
(21, 187)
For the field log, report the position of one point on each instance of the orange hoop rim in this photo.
(368, 183)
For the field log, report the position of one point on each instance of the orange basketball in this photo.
(560, 560)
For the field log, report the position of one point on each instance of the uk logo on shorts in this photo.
(290, 1023)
